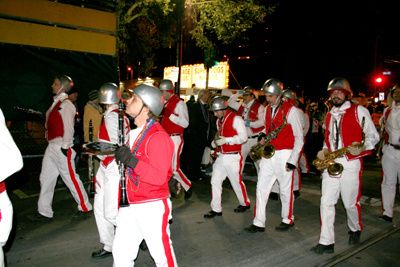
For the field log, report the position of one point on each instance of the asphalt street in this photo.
(221, 241)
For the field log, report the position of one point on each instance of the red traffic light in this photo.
(378, 80)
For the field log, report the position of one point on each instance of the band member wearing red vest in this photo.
(107, 178)
(391, 154)
(59, 156)
(289, 96)
(10, 162)
(252, 112)
(283, 129)
(149, 168)
(229, 163)
(175, 119)
(344, 126)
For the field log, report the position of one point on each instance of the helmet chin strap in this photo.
(139, 112)
(62, 86)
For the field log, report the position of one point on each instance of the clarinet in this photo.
(92, 189)
(123, 201)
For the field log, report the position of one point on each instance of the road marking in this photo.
(22, 195)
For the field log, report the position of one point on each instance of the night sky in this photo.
(308, 45)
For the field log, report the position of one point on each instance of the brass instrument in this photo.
(328, 163)
(267, 150)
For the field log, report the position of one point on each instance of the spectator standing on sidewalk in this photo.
(391, 154)
(59, 156)
(344, 128)
(199, 133)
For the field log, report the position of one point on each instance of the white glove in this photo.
(321, 153)
(221, 141)
(213, 144)
(356, 151)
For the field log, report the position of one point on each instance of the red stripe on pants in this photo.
(165, 236)
(73, 179)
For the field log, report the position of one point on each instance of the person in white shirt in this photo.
(231, 136)
(59, 155)
(284, 134)
(391, 154)
(10, 163)
(175, 119)
(252, 112)
(346, 126)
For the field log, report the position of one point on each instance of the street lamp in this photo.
(131, 70)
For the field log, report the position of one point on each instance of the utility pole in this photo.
(179, 46)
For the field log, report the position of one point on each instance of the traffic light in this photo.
(378, 80)
(209, 58)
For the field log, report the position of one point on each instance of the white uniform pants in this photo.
(391, 176)
(304, 163)
(148, 221)
(271, 170)
(230, 165)
(176, 165)
(245, 152)
(106, 203)
(348, 185)
(54, 164)
(6, 218)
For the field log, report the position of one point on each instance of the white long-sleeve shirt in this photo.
(392, 125)
(241, 137)
(183, 116)
(371, 135)
(67, 112)
(10, 156)
(293, 118)
(232, 102)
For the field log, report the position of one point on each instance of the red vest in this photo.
(155, 172)
(253, 115)
(387, 113)
(54, 123)
(353, 132)
(285, 138)
(166, 123)
(103, 135)
(226, 130)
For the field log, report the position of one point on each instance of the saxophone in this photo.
(267, 150)
(328, 163)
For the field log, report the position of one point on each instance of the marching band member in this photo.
(391, 154)
(175, 119)
(10, 163)
(107, 178)
(344, 127)
(232, 134)
(149, 168)
(59, 156)
(283, 126)
(252, 112)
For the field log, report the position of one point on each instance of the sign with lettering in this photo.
(196, 74)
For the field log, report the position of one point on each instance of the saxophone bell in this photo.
(334, 168)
